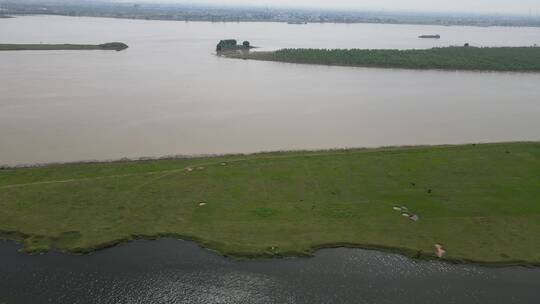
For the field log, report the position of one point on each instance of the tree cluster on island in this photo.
(232, 45)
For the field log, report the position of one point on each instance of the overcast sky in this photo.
(486, 6)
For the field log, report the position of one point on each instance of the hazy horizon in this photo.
(462, 6)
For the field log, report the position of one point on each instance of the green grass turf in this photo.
(484, 204)
(518, 59)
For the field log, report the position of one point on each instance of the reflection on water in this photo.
(173, 271)
(169, 94)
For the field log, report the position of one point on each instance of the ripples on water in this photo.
(173, 271)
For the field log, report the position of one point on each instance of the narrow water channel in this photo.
(174, 271)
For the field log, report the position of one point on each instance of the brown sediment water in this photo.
(169, 94)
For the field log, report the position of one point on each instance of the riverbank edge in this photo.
(19, 14)
(216, 247)
(281, 153)
(266, 56)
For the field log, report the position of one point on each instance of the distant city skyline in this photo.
(473, 6)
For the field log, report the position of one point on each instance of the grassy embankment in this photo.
(112, 46)
(482, 202)
(522, 59)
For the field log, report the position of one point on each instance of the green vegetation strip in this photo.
(481, 202)
(113, 46)
(523, 59)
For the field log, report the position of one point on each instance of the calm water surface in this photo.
(168, 94)
(172, 271)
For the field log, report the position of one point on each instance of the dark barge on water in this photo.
(430, 36)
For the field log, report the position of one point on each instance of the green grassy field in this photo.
(482, 202)
(112, 46)
(522, 59)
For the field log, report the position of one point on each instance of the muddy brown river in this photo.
(168, 94)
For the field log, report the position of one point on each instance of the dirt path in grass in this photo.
(162, 173)
(72, 180)
(218, 162)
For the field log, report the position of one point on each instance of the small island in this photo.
(111, 46)
(511, 59)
